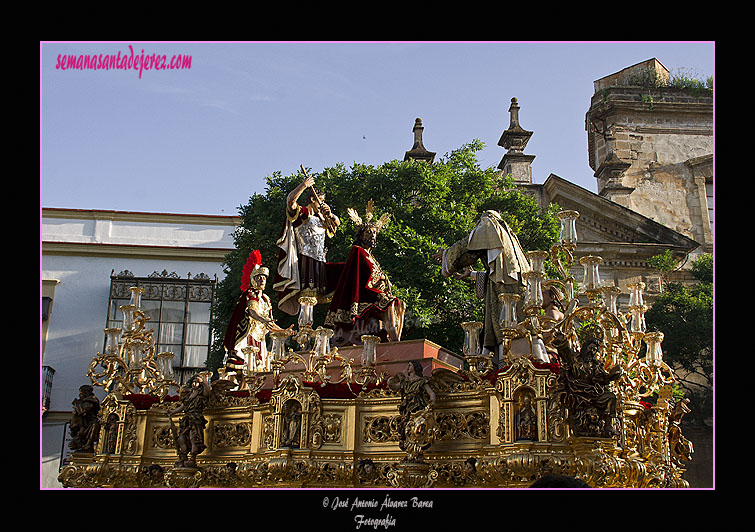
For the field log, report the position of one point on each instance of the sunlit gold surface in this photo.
(511, 422)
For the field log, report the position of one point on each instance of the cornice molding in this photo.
(125, 250)
(615, 221)
(148, 217)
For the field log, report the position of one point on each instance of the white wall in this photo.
(83, 249)
(79, 312)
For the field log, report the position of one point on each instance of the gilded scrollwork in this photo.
(326, 428)
(162, 437)
(458, 425)
(381, 429)
(232, 434)
(268, 432)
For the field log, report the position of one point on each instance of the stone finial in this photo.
(418, 151)
(514, 113)
(515, 139)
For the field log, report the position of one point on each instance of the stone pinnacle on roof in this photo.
(418, 151)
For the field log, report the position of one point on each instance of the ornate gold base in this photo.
(412, 474)
(501, 433)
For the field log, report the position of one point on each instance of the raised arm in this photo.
(293, 196)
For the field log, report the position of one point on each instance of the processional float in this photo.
(317, 416)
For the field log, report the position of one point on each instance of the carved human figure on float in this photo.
(589, 400)
(85, 422)
(415, 409)
(553, 312)
(244, 343)
(193, 398)
(494, 243)
(363, 303)
(303, 270)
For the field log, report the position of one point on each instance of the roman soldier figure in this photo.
(252, 318)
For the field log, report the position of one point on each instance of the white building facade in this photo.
(86, 255)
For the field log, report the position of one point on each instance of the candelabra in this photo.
(131, 363)
(647, 375)
(624, 334)
(316, 354)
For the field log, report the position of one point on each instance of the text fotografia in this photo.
(357, 506)
(123, 61)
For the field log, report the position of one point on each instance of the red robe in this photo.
(361, 297)
(238, 327)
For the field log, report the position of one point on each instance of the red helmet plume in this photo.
(253, 262)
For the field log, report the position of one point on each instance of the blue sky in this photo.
(202, 140)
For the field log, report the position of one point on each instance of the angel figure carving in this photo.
(416, 426)
(193, 398)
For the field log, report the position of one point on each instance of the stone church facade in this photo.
(652, 154)
(651, 151)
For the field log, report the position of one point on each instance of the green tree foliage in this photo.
(684, 314)
(431, 206)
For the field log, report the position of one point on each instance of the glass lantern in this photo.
(654, 354)
(537, 260)
(135, 354)
(306, 306)
(568, 290)
(128, 317)
(322, 341)
(635, 294)
(637, 322)
(471, 338)
(164, 365)
(508, 318)
(534, 289)
(112, 338)
(251, 353)
(568, 234)
(278, 345)
(369, 351)
(136, 296)
(591, 278)
(611, 295)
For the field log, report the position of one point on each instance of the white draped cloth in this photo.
(493, 241)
